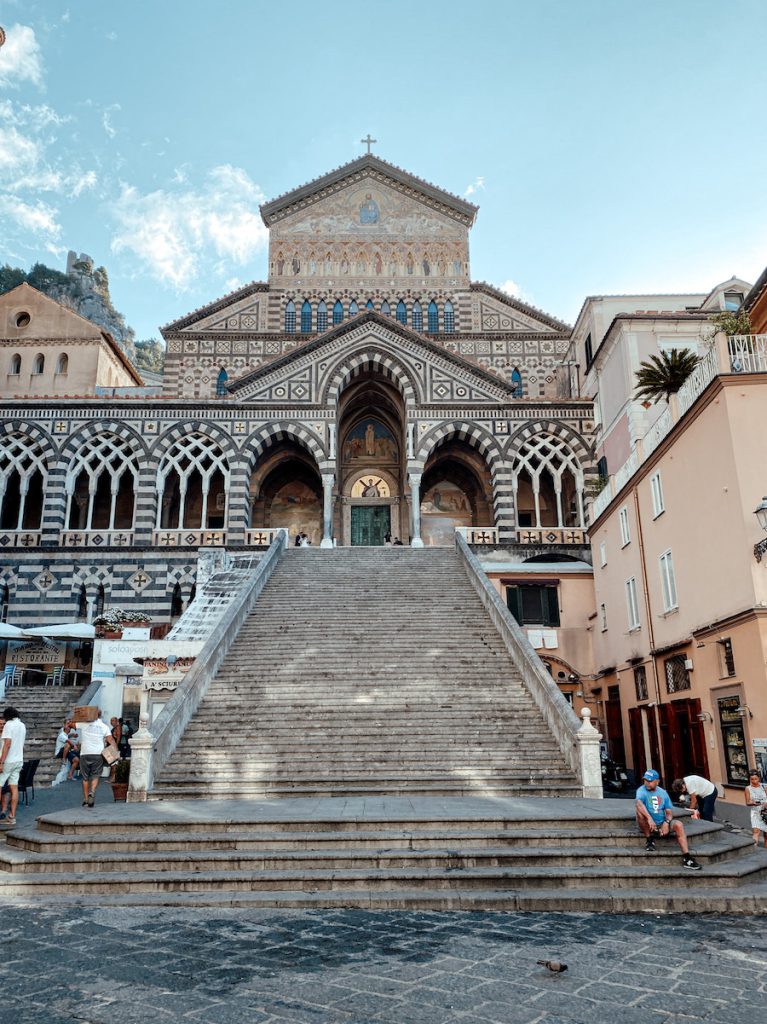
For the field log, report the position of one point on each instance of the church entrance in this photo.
(370, 524)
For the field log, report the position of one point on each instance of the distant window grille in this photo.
(433, 317)
(338, 311)
(15, 364)
(732, 301)
(176, 602)
(640, 682)
(728, 658)
(353, 308)
(602, 468)
(623, 518)
(449, 318)
(677, 676)
(369, 304)
(533, 605)
(39, 364)
(516, 383)
(656, 493)
(63, 363)
(322, 316)
(4, 602)
(290, 318)
(417, 316)
(221, 380)
(632, 603)
(82, 605)
(668, 581)
(98, 608)
(385, 308)
(401, 315)
(306, 317)
(588, 352)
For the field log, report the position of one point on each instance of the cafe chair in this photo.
(12, 675)
(55, 678)
(27, 779)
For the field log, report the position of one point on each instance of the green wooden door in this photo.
(370, 523)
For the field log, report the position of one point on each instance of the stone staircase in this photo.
(379, 853)
(42, 709)
(367, 671)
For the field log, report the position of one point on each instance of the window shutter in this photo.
(513, 603)
(552, 618)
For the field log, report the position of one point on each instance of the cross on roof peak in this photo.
(368, 142)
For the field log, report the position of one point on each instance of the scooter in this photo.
(614, 776)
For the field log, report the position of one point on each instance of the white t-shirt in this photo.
(15, 731)
(61, 739)
(698, 786)
(92, 736)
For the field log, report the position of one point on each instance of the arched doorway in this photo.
(286, 493)
(371, 467)
(456, 491)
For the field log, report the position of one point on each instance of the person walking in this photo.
(11, 759)
(655, 817)
(94, 736)
(702, 794)
(756, 798)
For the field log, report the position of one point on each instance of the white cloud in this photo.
(176, 232)
(38, 217)
(511, 288)
(18, 153)
(20, 58)
(106, 120)
(478, 183)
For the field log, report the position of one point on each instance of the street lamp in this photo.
(761, 514)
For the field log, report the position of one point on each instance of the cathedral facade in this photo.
(368, 391)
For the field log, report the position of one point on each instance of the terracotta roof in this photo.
(467, 211)
(371, 316)
(695, 316)
(215, 305)
(522, 307)
(750, 300)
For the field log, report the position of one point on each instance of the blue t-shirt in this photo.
(656, 803)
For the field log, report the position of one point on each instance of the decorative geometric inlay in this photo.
(139, 580)
(44, 581)
(461, 392)
(248, 321)
(441, 390)
(501, 426)
(239, 427)
(150, 427)
(60, 427)
(551, 537)
(279, 392)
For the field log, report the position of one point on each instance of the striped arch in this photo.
(173, 434)
(35, 433)
(281, 430)
(378, 360)
(486, 444)
(580, 448)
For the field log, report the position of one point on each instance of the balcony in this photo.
(97, 538)
(188, 538)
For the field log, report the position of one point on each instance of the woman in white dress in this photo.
(756, 798)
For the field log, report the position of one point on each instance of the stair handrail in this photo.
(153, 744)
(578, 741)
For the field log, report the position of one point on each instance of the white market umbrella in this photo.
(64, 631)
(8, 632)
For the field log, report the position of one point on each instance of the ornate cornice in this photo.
(215, 307)
(522, 307)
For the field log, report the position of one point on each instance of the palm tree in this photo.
(663, 375)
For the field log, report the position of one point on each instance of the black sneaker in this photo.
(649, 845)
(691, 863)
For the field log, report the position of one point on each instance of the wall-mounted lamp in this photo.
(761, 514)
(705, 716)
(743, 710)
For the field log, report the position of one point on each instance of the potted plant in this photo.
(119, 781)
(110, 624)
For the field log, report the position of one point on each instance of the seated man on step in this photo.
(655, 817)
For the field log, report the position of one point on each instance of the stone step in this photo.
(170, 790)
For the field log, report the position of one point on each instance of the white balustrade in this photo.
(189, 538)
(261, 538)
(657, 432)
(698, 381)
(627, 470)
(20, 538)
(96, 538)
(479, 534)
(748, 353)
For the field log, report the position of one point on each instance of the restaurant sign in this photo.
(36, 652)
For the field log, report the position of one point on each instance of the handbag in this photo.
(763, 813)
(110, 754)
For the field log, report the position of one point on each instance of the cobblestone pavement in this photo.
(125, 965)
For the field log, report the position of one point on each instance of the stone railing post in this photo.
(141, 743)
(328, 479)
(589, 756)
(414, 479)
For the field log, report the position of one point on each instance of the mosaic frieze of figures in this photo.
(370, 259)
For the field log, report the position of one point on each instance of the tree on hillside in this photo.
(150, 355)
(663, 375)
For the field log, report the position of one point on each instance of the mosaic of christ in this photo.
(370, 441)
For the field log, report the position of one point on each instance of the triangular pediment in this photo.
(425, 372)
(240, 310)
(496, 311)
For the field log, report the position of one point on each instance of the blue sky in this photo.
(611, 145)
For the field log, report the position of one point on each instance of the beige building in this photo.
(47, 350)
(681, 581)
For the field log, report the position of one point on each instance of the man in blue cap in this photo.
(655, 817)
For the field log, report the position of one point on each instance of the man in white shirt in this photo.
(93, 738)
(701, 792)
(11, 759)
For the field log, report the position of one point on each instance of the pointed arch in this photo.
(547, 458)
(516, 383)
(385, 308)
(62, 364)
(23, 475)
(449, 318)
(401, 313)
(15, 368)
(322, 316)
(38, 365)
(432, 314)
(221, 380)
(290, 317)
(306, 317)
(370, 304)
(373, 358)
(417, 316)
(192, 484)
(101, 483)
(462, 430)
(282, 430)
(338, 312)
(353, 308)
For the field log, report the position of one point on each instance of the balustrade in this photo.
(97, 538)
(188, 538)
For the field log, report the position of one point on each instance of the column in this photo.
(328, 479)
(414, 479)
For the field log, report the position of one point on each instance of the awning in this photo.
(63, 631)
(8, 632)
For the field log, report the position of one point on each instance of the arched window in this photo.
(322, 316)
(221, 380)
(82, 604)
(192, 485)
(547, 478)
(62, 364)
(353, 308)
(449, 318)
(306, 317)
(176, 602)
(433, 317)
(369, 304)
(101, 485)
(290, 317)
(338, 312)
(15, 364)
(39, 364)
(98, 608)
(401, 312)
(417, 316)
(22, 483)
(385, 308)
(516, 383)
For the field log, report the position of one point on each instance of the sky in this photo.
(613, 146)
